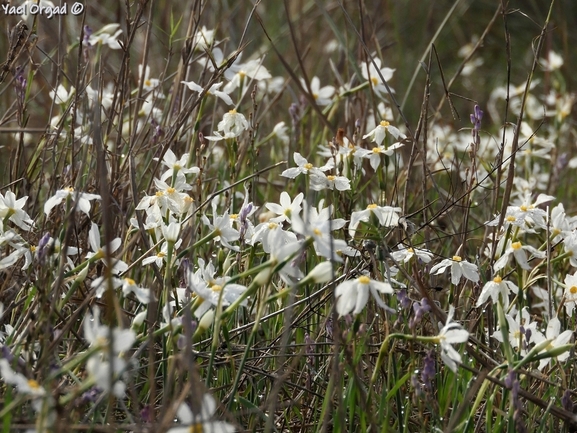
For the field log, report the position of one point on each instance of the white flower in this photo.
(388, 216)
(82, 198)
(353, 295)
(374, 154)
(570, 294)
(176, 166)
(552, 62)
(213, 291)
(557, 339)
(372, 75)
(102, 336)
(107, 35)
(404, 254)
(522, 332)
(518, 251)
(214, 90)
(222, 227)
(130, 286)
(148, 84)
(378, 134)
(232, 125)
(238, 72)
(286, 208)
(203, 39)
(265, 232)
(304, 167)
(61, 95)
(321, 273)
(280, 130)
(459, 267)
(201, 422)
(21, 382)
(170, 232)
(497, 287)
(322, 96)
(451, 333)
(318, 226)
(320, 181)
(98, 253)
(12, 209)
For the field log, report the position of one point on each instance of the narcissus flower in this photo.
(459, 268)
(451, 333)
(353, 295)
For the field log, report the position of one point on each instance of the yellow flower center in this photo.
(233, 111)
(308, 166)
(376, 150)
(159, 193)
(457, 258)
(216, 288)
(410, 250)
(497, 279)
(364, 279)
(384, 123)
(196, 428)
(372, 206)
(317, 232)
(331, 178)
(69, 189)
(147, 83)
(516, 245)
(33, 384)
(375, 81)
(272, 226)
(315, 96)
(234, 216)
(161, 254)
(523, 208)
(573, 290)
(170, 190)
(510, 218)
(33, 248)
(130, 281)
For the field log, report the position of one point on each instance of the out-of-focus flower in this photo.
(321, 95)
(371, 73)
(238, 72)
(214, 90)
(201, 422)
(553, 61)
(107, 35)
(203, 39)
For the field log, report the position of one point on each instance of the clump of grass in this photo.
(245, 229)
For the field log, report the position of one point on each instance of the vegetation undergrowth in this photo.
(304, 216)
